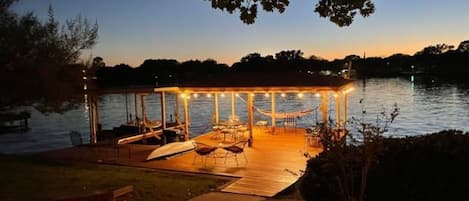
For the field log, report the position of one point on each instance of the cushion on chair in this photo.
(234, 149)
(205, 150)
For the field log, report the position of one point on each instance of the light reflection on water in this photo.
(424, 108)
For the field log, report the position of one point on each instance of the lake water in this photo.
(425, 107)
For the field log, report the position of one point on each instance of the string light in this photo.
(222, 95)
(266, 95)
(252, 94)
(237, 95)
(317, 95)
(300, 95)
(196, 95)
(209, 95)
(283, 95)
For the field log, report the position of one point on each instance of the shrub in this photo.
(428, 167)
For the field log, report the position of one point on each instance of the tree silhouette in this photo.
(289, 55)
(435, 49)
(340, 12)
(98, 62)
(463, 46)
(38, 59)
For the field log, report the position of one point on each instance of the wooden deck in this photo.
(274, 160)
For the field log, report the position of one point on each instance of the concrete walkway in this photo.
(226, 197)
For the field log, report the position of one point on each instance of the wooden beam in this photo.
(324, 102)
(250, 119)
(337, 109)
(176, 112)
(92, 107)
(345, 110)
(135, 106)
(258, 89)
(233, 113)
(186, 118)
(217, 118)
(273, 111)
(163, 109)
(142, 102)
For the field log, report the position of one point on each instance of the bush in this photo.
(429, 167)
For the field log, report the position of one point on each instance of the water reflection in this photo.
(425, 107)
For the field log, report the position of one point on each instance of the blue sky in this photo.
(132, 31)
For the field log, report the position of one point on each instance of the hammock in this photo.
(285, 115)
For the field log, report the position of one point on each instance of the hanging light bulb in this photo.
(283, 95)
(222, 95)
(266, 95)
(300, 95)
(317, 95)
(196, 95)
(209, 95)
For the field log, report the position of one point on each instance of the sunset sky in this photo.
(132, 31)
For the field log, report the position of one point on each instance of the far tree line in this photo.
(441, 60)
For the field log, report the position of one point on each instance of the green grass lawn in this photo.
(30, 179)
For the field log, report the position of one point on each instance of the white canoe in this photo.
(171, 149)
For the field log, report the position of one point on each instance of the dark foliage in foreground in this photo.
(38, 60)
(430, 167)
(339, 12)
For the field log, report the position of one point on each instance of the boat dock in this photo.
(274, 162)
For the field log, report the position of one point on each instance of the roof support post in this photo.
(233, 113)
(94, 119)
(142, 104)
(345, 110)
(216, 108)
(250, 119)
(337, 110)
(186, 118)
(176, 109)
(163, 109)
(324, 101)
(135, 107)
(273, 112)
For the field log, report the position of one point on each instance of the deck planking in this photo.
(274, 161)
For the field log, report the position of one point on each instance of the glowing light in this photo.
(222, 95)
(84, 78)
(196, 95)
(412, 78)
(266, 95)
(335, 95)
(300, 95)
(317, 95)
(182, 95)
(237, 95)
(283, 95)
(348, 90)
(252, 95)
(209, 95)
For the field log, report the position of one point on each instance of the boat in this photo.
(171, 149)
